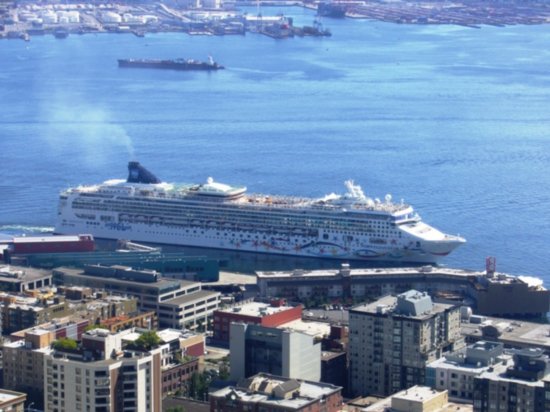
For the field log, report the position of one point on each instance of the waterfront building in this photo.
(418, 399)
(178, 303)
(489, 293)
(265, 392)
(11, 401)
(456, 372)
(282, 352)
(394, 338)
(17, 279)
(523, 386)
(257, 313)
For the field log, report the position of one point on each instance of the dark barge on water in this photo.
(174, 64)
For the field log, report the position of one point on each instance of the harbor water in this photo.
(453, 120)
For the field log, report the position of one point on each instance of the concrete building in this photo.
(277, 351)
(522, 386)
(456, 372)
(23, 364)
(101, 376)
(11, 401)
(511, 333)
(418, 399)
(22, 312)
(490, 293)
(19, 279)
(178, 303)
(334, 368)
(393, 339)
(265, 392)
(257, 313)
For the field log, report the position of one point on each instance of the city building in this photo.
(522, 386)
(511, 333)
(418, 399)
(264, 392)
(22, 312)
(394, 338)
(102, 375)
(23, 364)
(180, 358)
(19, 279)
(455, 372)
(11, 401)
(334, 368)
(282, 352)
(257, 313)
(489, 292)
(68, 326)
(178, 303)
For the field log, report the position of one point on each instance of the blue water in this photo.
(454, 120)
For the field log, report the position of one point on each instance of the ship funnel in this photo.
(138, 174)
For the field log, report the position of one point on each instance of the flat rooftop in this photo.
(15, 274)
(256, 309)
(328, 273)
(418, 394)
(191, 297)
(309, 391)
(9, 396)
(389, 303)
(512, 332)
(160, 284)
(315, 329)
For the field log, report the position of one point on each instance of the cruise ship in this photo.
(216, 215)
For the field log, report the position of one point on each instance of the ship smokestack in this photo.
(138, 174)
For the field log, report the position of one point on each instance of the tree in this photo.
(65, 344)
(147, 341)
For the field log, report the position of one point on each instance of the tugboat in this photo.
(174, 64)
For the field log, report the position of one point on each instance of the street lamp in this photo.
(29, 407)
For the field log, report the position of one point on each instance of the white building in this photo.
(100, 377)
(255, 349)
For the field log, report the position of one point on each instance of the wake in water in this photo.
(25, 230)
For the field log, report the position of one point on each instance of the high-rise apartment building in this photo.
(393, 339)
(101, 377)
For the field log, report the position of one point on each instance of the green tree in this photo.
(65, 344)
(147, 341)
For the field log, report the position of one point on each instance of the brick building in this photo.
(265, 314)
(264, 392)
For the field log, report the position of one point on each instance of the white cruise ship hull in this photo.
(241, 240)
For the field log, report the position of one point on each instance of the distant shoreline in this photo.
(61, 20)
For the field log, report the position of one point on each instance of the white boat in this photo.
(216, 215)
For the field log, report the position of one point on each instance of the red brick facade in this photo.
(178, 377)
(223, 319)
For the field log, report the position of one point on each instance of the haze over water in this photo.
(454, 120)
